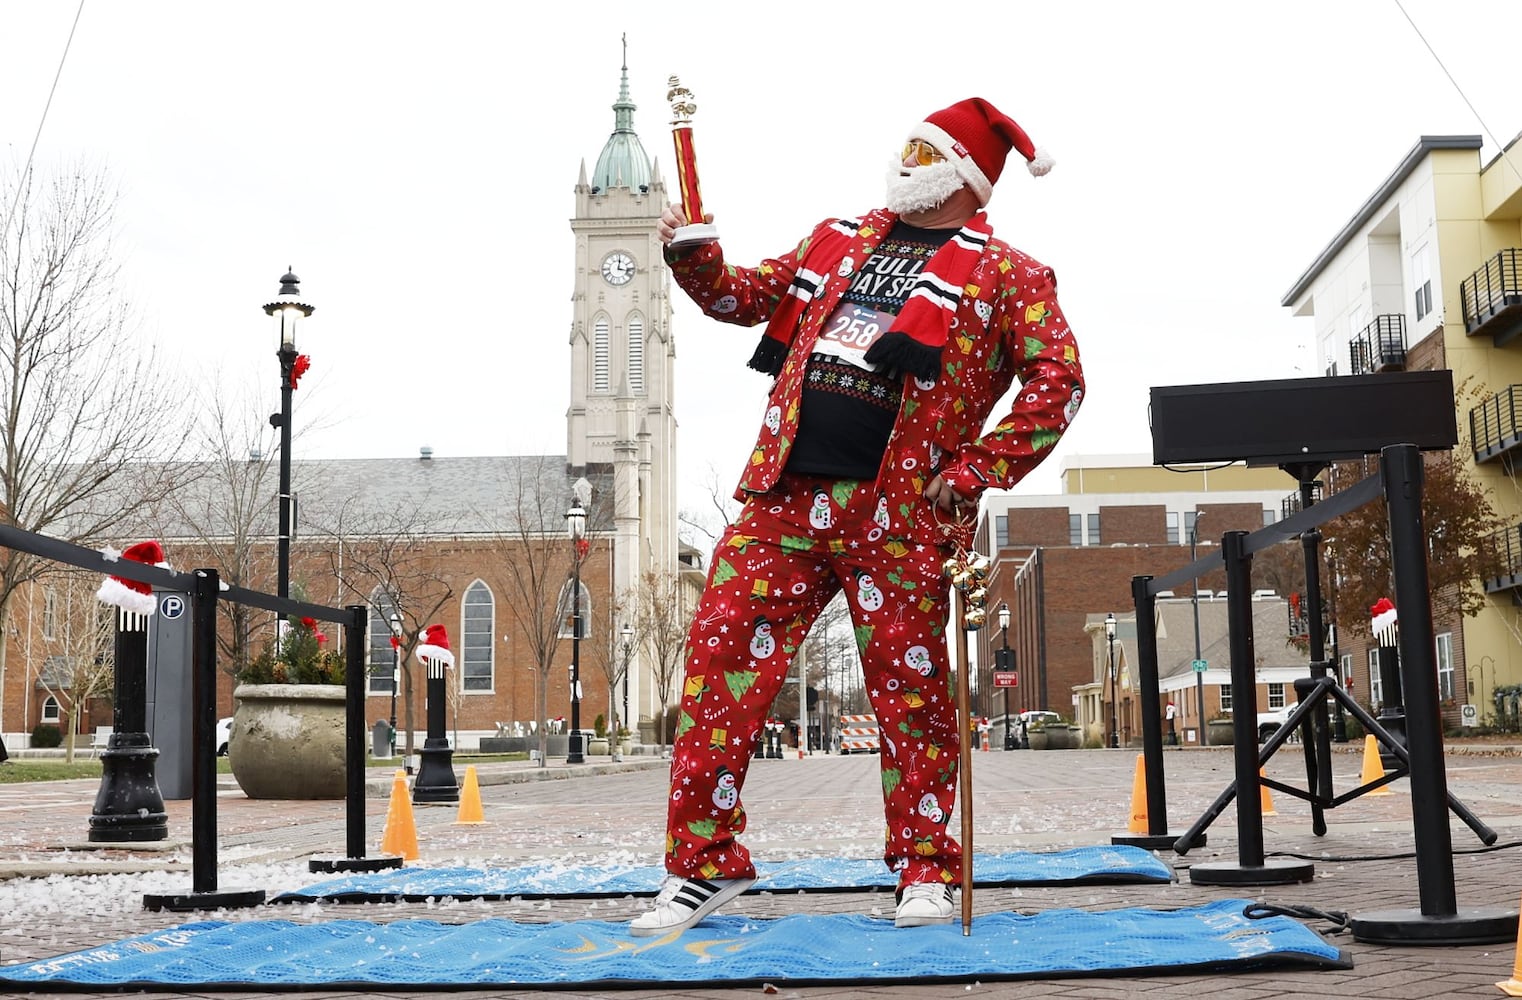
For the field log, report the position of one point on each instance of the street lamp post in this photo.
(1110, 636)
(1199, 675)
(576, 526)
(1006, 663)
(289, 310)
(623, 715)
(396, 671)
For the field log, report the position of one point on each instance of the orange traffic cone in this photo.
(471, 813)
(1139, 822)
(400, 835)
(1513, 986)
(1373, 769)
(1265, 800)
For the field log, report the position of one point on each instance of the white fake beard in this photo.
(919, 189)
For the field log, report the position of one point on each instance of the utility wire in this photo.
(21, 181)
(1460, 90)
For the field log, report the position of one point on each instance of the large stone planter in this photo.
(288, 741)
(1038, 739)
(1220, 732)
(597, 746)
(1062, 738)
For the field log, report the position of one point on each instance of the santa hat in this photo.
(435, 646)
(975, 137)
(129, 595)
(1382, 615)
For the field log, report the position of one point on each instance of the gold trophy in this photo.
(682, 108)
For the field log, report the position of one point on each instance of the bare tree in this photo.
(536, 565)
(77, 635)
(661, 616)
(701, 528)
(83, 402)
(385, 560)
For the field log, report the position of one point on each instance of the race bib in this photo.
(850, 330)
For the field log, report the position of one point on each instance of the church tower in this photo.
(621, 424)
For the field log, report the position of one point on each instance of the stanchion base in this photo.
(1471, 925)
(232, 899)
(324, 865)
(1273, 871)
(1150, 841)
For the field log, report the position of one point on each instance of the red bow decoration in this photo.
(321, 638)
(583, 546)
(303, 362)
(309, 623)
(396, 643)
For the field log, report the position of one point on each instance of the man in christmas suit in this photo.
(890, 339)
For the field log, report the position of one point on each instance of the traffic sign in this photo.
(1469, 715)
(1006, 679)
(1199, 666)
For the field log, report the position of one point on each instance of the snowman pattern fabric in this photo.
(786, 555)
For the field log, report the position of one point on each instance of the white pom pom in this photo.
(1041, 163)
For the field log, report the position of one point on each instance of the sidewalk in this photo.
(817, 806)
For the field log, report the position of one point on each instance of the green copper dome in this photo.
(623, 162)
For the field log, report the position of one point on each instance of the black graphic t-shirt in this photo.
(848, 409)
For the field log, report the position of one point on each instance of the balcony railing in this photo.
(1380, 346)
(1492, 297)
(1493, 426)
(1503, 557)
(1293, 502)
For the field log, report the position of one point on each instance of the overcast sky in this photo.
(415, 163)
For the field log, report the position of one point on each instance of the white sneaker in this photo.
(923, 903)
(682, 902)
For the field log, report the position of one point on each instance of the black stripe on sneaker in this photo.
(695, 893)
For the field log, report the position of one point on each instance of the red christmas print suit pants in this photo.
(773, 571)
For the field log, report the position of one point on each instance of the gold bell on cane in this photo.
(977, 597)
(979, 564)
(962, 578)
(974, 618)
(951, 566)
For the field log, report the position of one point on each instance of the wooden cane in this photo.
(964, 763)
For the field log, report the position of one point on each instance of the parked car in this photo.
(224, 736)
(1036, 718)
(1269, 722)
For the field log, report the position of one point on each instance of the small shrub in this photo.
(45, 737)
(600, 726)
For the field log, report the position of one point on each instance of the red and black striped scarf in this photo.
(922, 326)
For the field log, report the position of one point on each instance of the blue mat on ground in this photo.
(722, 950)
(1082, 865)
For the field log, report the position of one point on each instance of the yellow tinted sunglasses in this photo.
(924, 154)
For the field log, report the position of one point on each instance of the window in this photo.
(50, 712)
(1093, 529)
(600, 354)
(476, 645)
(566, 608)
(1075, 529)
(636, 354)
(1345, 664)
(1376, 689)
(1275, 696)
(381, 656)
(1421, 281)
(49, 613)
(1173, 519)
(1001, 530)
(1191, 523)
(1225, 697)
(1268, 516)
(1445, 666)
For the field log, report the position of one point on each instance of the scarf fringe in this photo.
(769, 355)
(899, 351)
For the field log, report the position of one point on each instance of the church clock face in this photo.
(617, 268)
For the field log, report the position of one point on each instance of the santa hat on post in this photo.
(1382, 618)
(129, 595)
(976, 137)
(435, 646)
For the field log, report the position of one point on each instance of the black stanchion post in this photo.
(204, 894)
(435, 776)
(1440, 920)
(355, 678)
(1157, 836)
(128, 806)
(1251, 867)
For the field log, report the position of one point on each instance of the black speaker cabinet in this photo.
(1301, 420)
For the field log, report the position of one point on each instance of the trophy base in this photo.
(695, 233)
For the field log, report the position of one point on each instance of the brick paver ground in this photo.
(826, 806)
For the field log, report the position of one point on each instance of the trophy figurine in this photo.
(682, 108)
